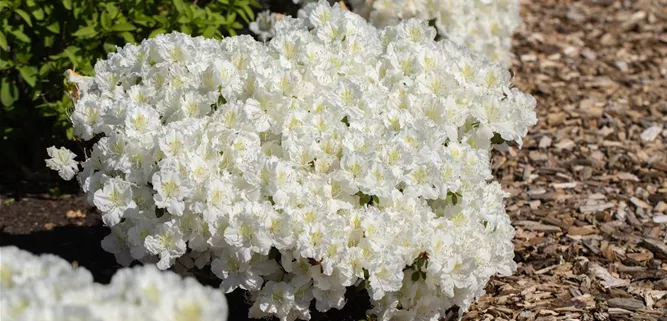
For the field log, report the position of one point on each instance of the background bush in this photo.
(40, 39)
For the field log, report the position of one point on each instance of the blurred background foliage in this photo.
(41, 39)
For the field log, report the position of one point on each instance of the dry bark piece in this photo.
(658, 247)
(627, 304)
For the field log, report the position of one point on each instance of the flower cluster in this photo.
(48, 288)
(484, 26)
(334, 156)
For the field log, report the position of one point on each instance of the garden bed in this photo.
(588, 194)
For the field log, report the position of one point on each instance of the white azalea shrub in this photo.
(48, 288)
(483, 26)
(334, 156)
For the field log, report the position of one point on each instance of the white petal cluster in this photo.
(62, 161)
(484, 26)
(333, 156)
(48, 288)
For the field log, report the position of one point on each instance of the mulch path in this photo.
(588, 188)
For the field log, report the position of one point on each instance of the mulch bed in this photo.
(588, 188)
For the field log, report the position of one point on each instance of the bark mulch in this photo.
(588, 188)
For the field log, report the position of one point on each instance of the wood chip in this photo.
(627, 304)
(595, 208)
(608, 280)
(627, 176)
(640, 203)
(584, 230)
(659, 248)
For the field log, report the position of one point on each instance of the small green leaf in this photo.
(38, 13)
(29, 74)
(249, 12)
(186, 29)
(44, 69)
(8, 92)
(178, 4)
(109, 47)
(70, 133)
(123, 26)
(113, 10)
(420, 262)
(128, 37)
(415, 276)
(3, 42)
(67, 4)
(24, 15)
(85, 32)
(156, 32)
(54, 27)
(20, 36)
(105, 20)
(209, 32)
(496, 139)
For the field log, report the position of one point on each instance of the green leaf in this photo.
(113, 11)
(420, 262)
(109, 47)
(3, 42)
(178, 4)
(128, 37)
(85, 32)
(123, 26)
(243, 15)
(20, 36)
(44, 69)
(70, 53)
(105, 20)
(415, 276)
(38, 13)
(67, 4)
(496, 139)
(249, 12)
(24, 15)
(8, 93)
(156, 32)
(186, 29)
(29, 74)
(54, 27)
(209, 32)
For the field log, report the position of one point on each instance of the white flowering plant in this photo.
(483, 26)
(335, 156)
(48, 288)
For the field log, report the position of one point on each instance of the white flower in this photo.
(166, 240)
(62, 161)
(277, 299)
(49, 288)
(170, 192)
(114, 200)
(264, 24)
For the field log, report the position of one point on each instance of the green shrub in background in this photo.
(40, 39)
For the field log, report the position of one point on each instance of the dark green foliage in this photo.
(40, 39)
